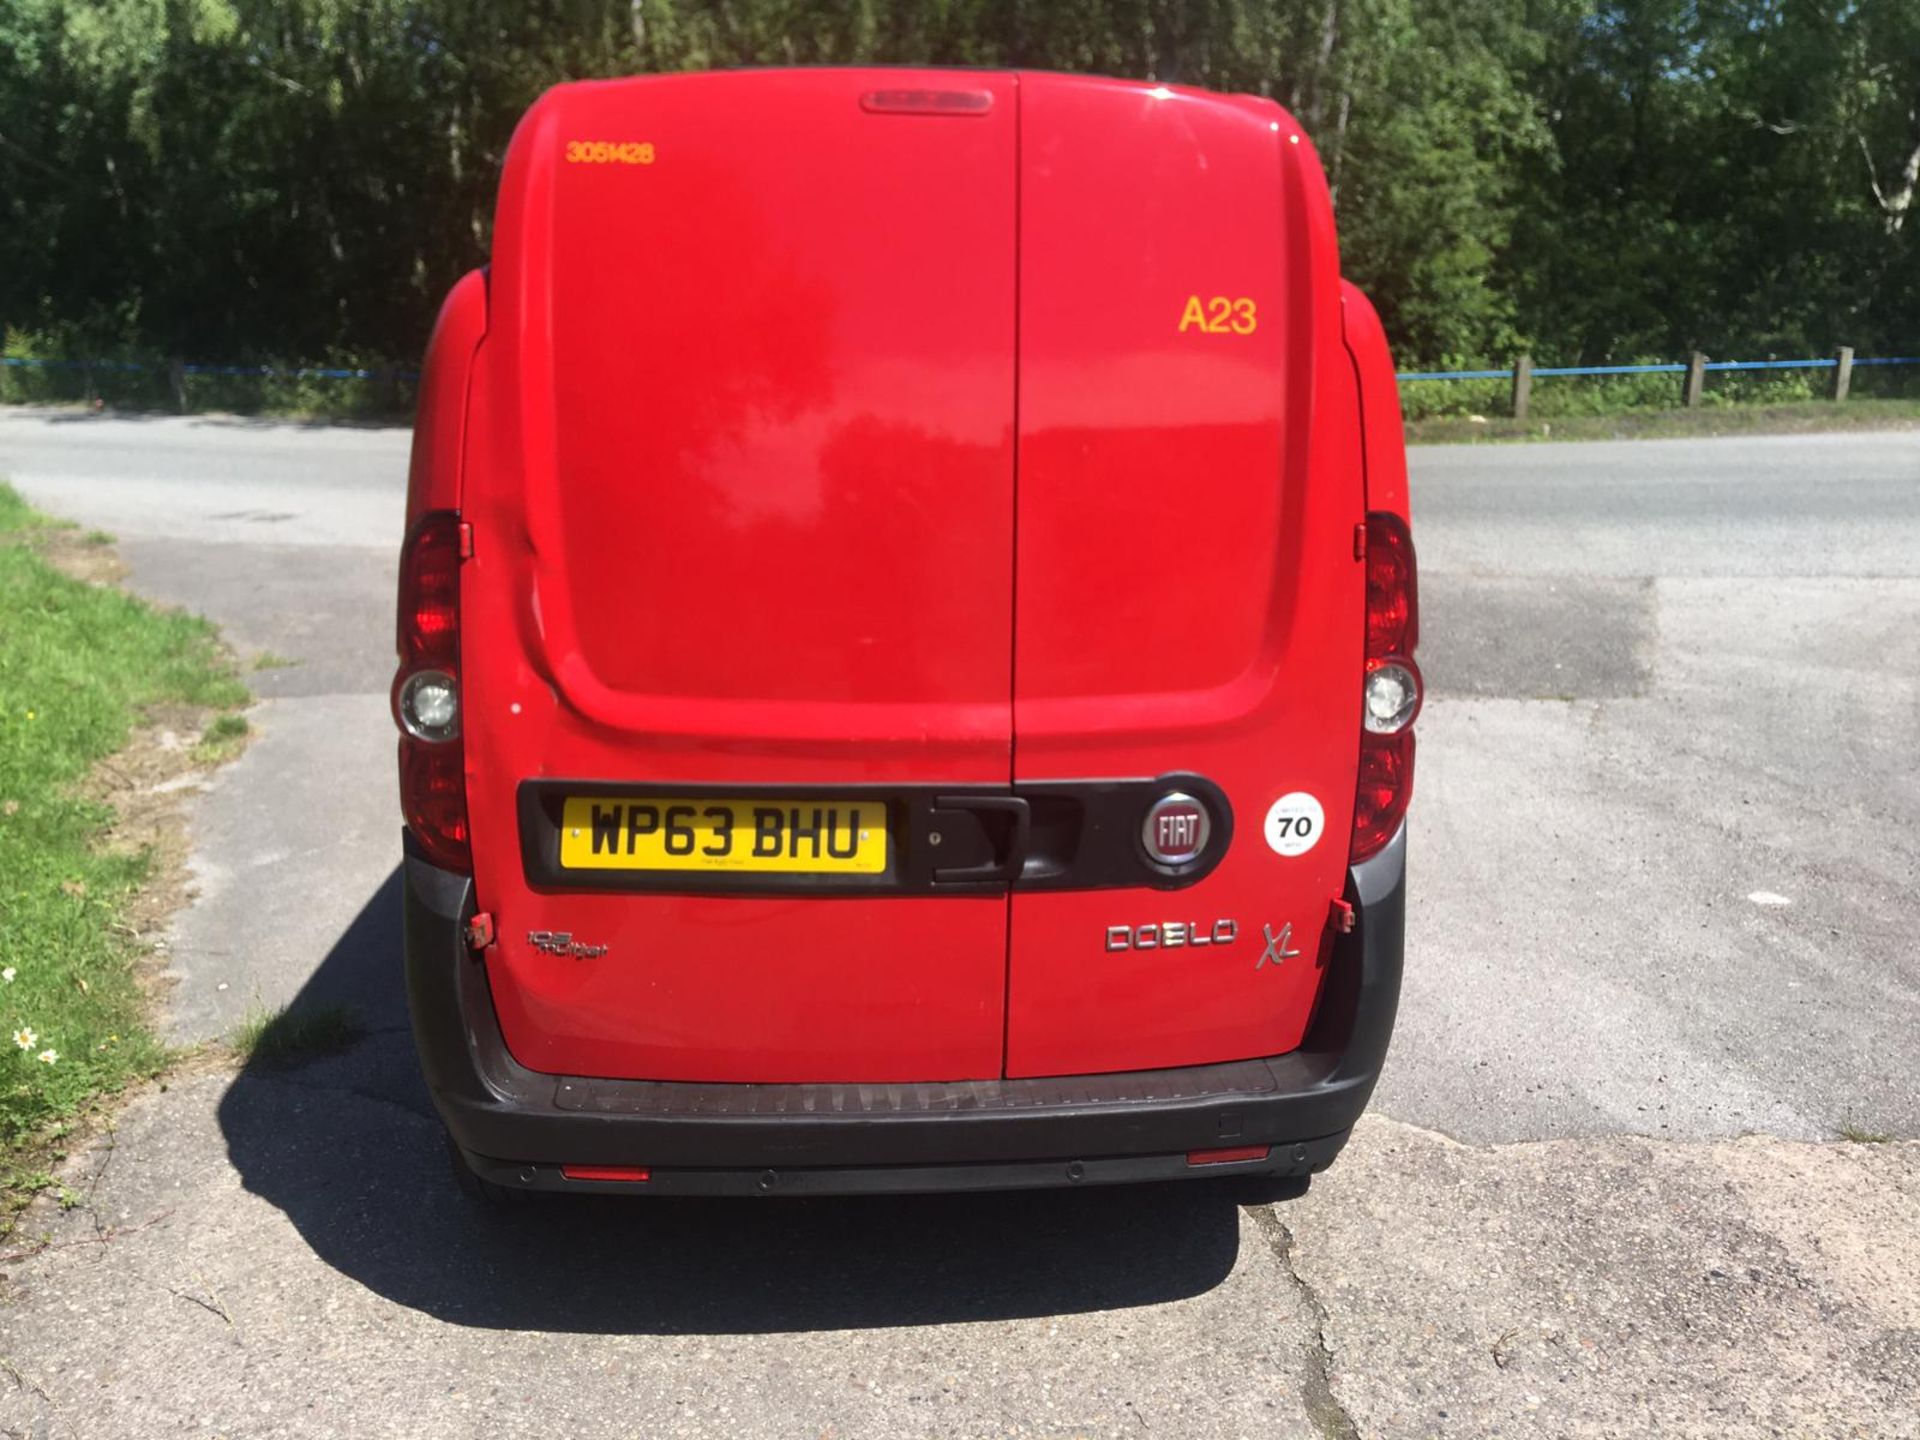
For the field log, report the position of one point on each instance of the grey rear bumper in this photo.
(517, 1127)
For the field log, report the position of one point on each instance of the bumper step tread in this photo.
(1139, 1087)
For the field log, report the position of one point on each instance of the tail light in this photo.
(1391, 689)
(426, 692)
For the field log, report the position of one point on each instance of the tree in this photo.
(1594, 179)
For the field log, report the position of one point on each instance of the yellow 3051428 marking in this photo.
(1222, 315)
(609, 152)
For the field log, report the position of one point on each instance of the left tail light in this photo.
(426, 692)
(1391, 688)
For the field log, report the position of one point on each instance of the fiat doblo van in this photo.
(906, 627)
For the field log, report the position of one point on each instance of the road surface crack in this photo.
(1326, 1412)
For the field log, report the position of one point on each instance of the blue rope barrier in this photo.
(1662, 369)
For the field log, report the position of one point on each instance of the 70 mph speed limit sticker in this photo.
(1294, 823)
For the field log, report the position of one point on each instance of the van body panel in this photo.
(742, 498)
(764, 396)
(984, 436)
(1383, 430)
(438, 462)
(1190, 597)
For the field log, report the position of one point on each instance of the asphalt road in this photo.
(1668, 676)
(1663, 897)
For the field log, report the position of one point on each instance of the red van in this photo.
(906, 646)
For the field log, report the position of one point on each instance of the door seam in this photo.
(1013, 617)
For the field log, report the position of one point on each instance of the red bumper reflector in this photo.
(1229, 1155)
(606, 1172)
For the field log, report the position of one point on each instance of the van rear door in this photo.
(1190, 598)
(741, 490)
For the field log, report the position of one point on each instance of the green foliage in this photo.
(1649, 422)
(1863, 1135)
(286, 1038)
(77, 662)
(132, 375)
(17, 518)
(222, 739)
(1714, 180)
(1590, 179)
(1562, 397)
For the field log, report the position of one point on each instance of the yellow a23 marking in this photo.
(1220, 315)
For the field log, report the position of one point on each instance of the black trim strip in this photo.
(1286, 1163)
(942, 839)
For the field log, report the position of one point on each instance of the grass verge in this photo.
(1800, 418)
(222, 739)
(286, 1038)
(80, 666)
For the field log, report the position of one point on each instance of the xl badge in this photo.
(1276, 950)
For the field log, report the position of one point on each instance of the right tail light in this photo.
(426, 693)
(1392, 688)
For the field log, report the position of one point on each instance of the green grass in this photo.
(271, 660)
(1799, 417)
(221, 740)
(1860, 1135)
(286, 1038)
(17, 518)
(78, 664)
(383, 398)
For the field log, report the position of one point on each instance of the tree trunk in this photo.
(1896, 200)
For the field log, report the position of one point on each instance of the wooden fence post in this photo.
(1522, 385)
(1842, 372)
(177, 378)
(1696, 380)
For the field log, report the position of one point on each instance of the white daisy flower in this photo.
(24, 1038)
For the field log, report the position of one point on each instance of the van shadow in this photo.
(350, 1149)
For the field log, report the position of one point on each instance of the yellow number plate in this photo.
(792, 837)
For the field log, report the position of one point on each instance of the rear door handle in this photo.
(1010, 857)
